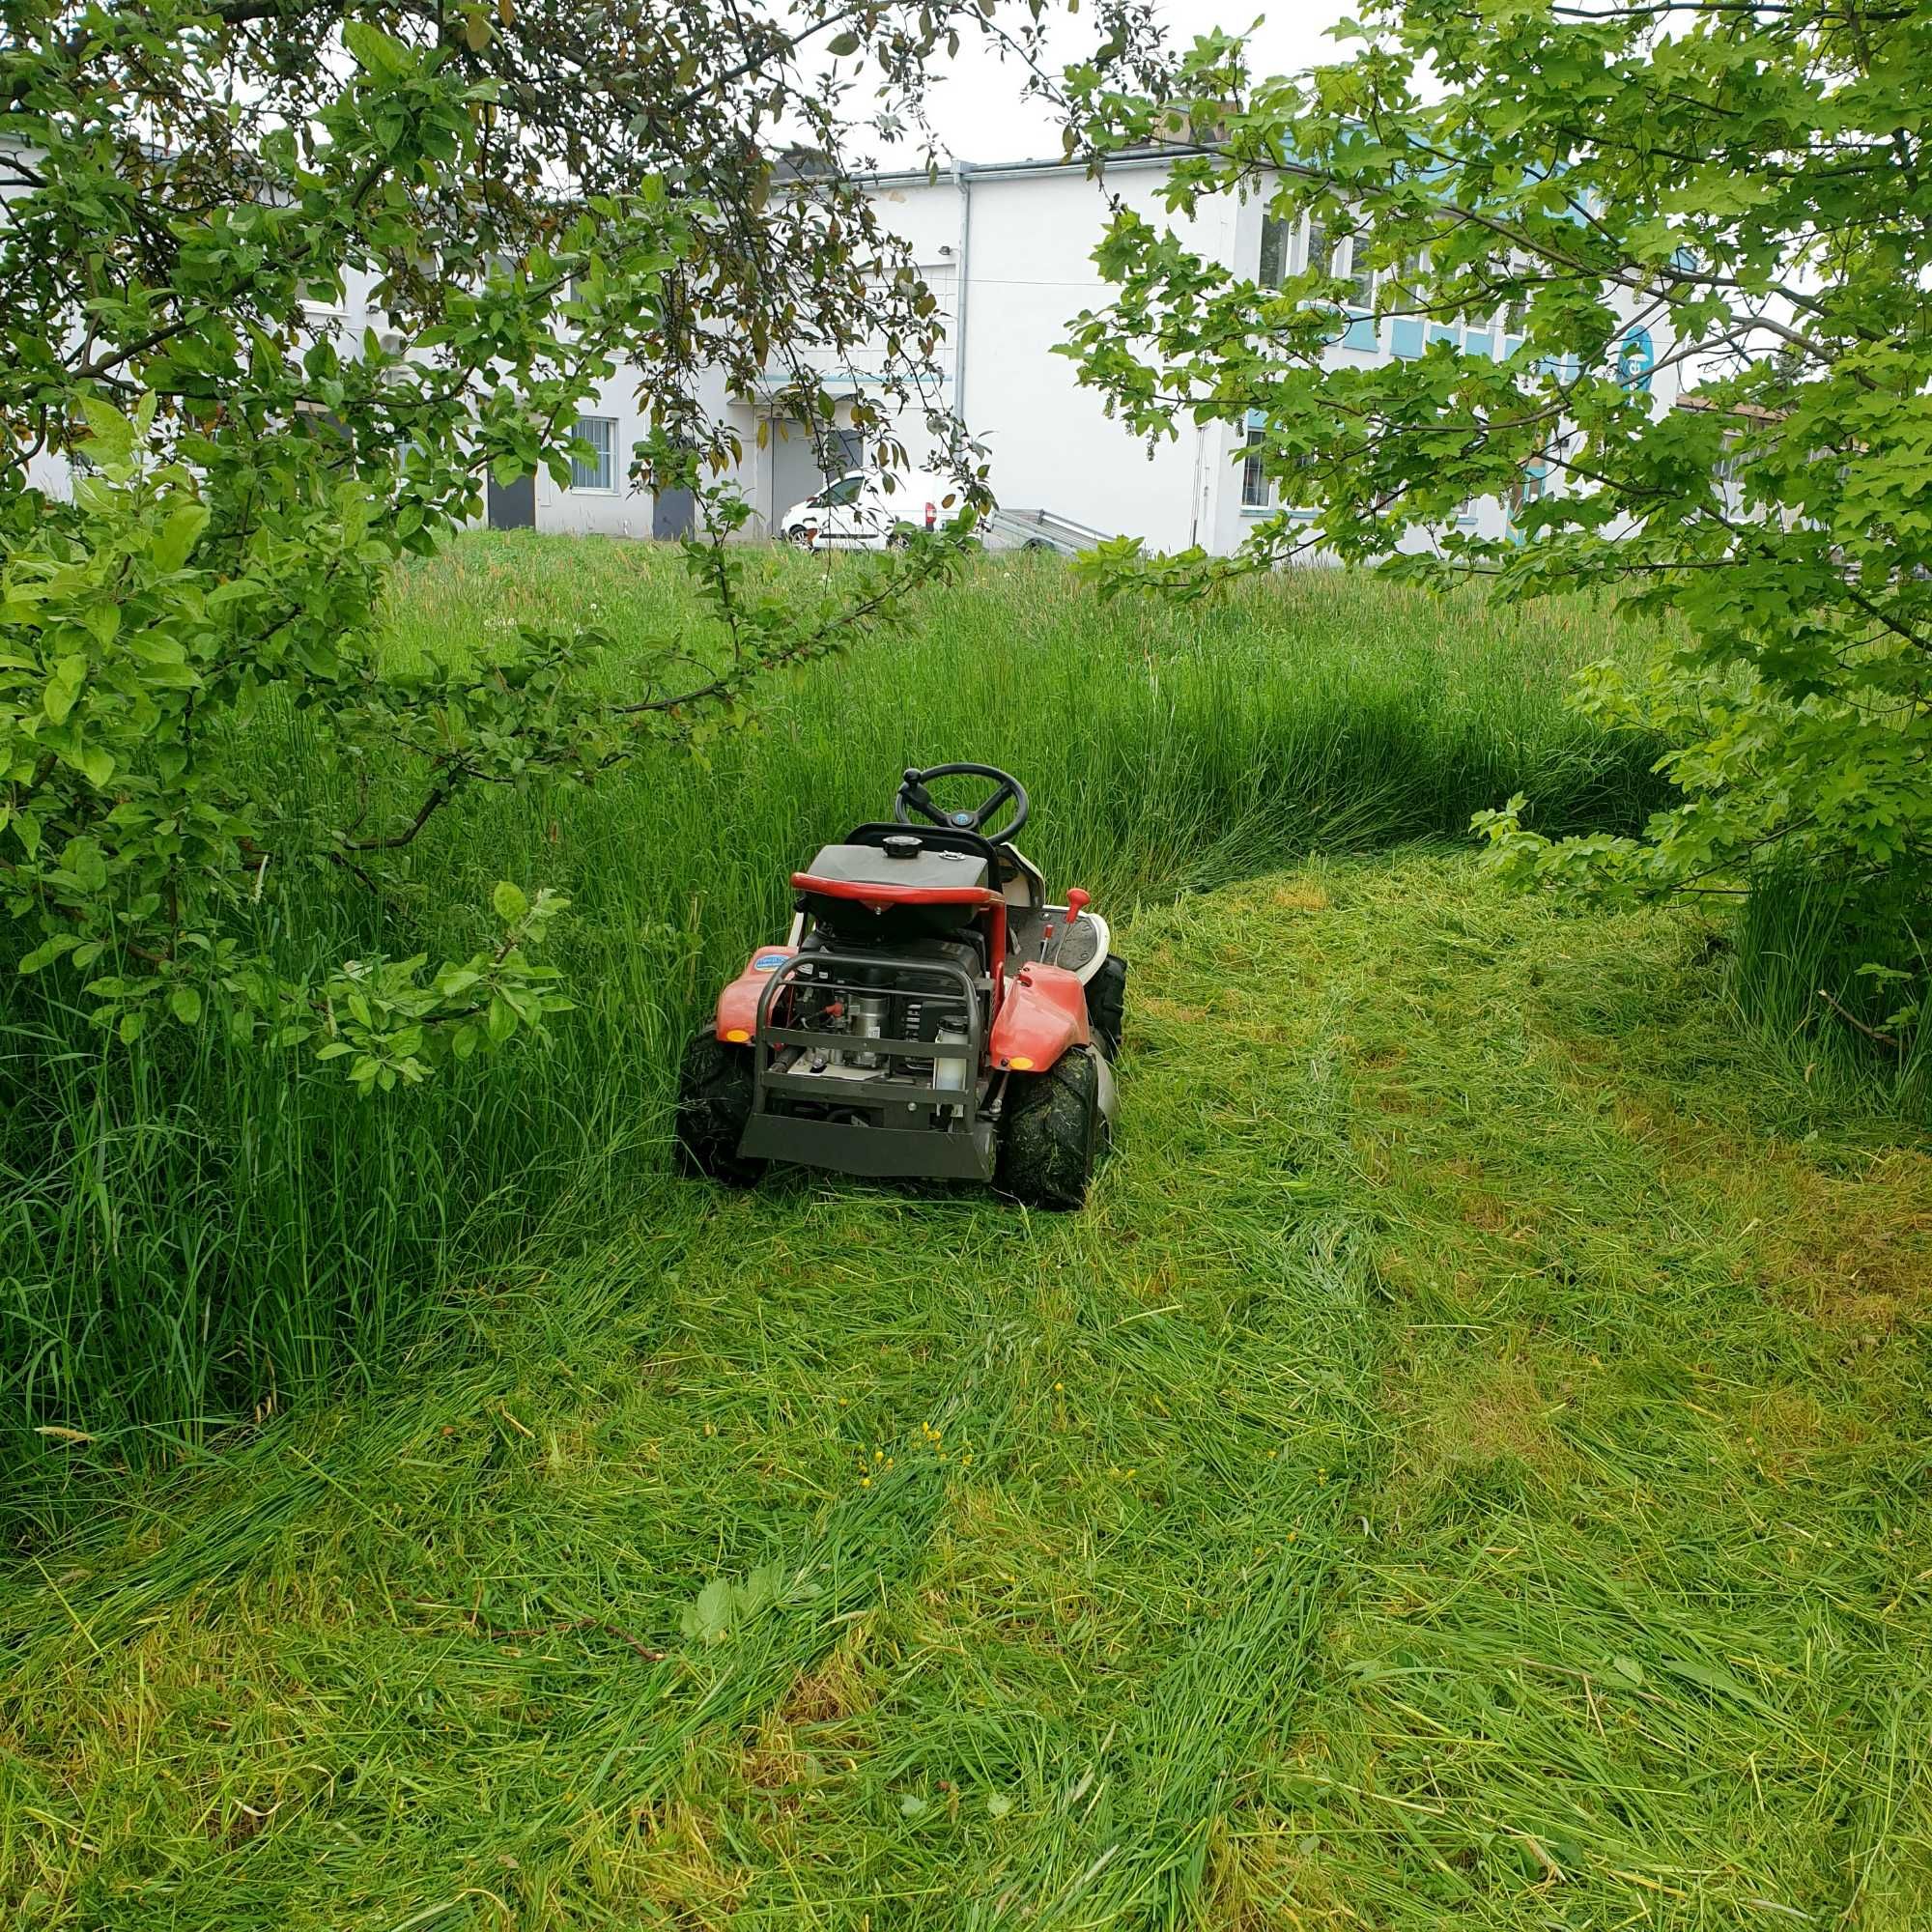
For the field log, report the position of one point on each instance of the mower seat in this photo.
(907, 862)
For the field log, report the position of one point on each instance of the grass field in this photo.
(1464, 1469)
(213, 1229)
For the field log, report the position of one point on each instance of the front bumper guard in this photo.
(900, 1138)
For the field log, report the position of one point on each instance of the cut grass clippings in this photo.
(1455, 1473)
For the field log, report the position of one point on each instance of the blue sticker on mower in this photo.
(769, 962)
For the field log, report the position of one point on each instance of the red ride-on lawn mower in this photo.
(930, 1015)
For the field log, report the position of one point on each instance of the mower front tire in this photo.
(714, 1101)
(1107, 1004)
(1051, 1132)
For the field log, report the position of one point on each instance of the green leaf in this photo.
(186, 1005)
(84, 858)
(708, 1619)
(179, 535)
(45, 953)
(1719, 1682)
(374, 52)
(111, 443)
(63, 687)
(510, 902)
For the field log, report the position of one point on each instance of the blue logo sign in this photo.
(1635, 359)
(962, 818)
(769, 962)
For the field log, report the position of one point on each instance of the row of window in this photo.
(1257, 488)
(846, 446)
(1292, 247)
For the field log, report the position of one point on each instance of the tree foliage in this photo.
(1547, 188)
(540, 199)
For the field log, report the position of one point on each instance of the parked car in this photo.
(859, 510)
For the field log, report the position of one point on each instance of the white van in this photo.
(859, 511)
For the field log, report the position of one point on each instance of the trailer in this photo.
(1037, 530)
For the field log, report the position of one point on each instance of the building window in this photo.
(1529, 489)
(1314, 258)
(1636, 358)
(598, 470)
(1257, 492)
(1361, 276)
(1276, 230)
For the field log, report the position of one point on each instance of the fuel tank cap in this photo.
(903, 845)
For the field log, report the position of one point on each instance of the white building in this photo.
(1007, 253)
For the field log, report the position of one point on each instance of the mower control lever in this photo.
(912, 797)
(1076, 904)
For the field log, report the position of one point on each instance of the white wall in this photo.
(1052, 444)
(785, 468)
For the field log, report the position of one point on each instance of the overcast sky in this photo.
(980, 115)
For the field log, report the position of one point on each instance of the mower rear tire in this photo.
(1107, 1004)
(714, 1101)
(1051, 1132)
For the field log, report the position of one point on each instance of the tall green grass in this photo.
(189, 1235)
(1835, 972)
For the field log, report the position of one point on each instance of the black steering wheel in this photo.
(913, 798)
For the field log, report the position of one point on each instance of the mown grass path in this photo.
(1466, 1467)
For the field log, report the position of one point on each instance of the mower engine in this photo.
(895, 1002)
